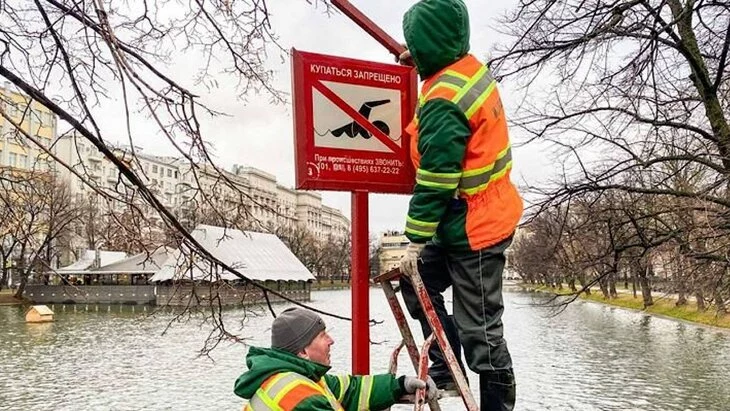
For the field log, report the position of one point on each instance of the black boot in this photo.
(497, 390)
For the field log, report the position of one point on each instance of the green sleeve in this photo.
(375, 392)
(443, 131)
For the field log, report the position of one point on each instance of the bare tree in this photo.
(39, 212)
(633, 101)
(74, 57)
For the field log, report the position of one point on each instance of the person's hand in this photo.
(411, 384)
(405, 58)
(409, 262)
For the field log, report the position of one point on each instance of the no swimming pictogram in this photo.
(352, 116)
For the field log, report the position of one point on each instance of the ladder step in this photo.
(410, 398)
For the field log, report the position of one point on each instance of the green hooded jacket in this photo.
(437, 35)
(262, 363)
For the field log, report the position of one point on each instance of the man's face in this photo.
(319, 349)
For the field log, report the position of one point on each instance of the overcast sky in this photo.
(259, 134)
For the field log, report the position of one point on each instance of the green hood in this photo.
(262, 363)
(437, 34)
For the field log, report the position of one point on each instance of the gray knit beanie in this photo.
(294, 329)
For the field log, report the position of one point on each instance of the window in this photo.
(162, 171)
(154, 169)
(12, 159)
(12, 110)
(177, 175)
(23, 161)
(169, 172)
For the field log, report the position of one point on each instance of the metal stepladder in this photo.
(420, 360)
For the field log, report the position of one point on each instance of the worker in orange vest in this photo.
(292, 374)
(464, 208)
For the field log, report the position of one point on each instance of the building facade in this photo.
(179, 185)
(16, 151)
(251, 192)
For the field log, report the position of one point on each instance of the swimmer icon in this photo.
(354, 129)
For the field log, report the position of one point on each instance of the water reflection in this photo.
(591, 357)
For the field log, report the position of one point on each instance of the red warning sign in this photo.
(349, 122)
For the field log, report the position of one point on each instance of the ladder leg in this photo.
(423, 372)
(394, 358)
(408, 340)
(400, 319)
(443, 342)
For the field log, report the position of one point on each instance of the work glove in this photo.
(405, 57)
(409, 262)
(411, 384)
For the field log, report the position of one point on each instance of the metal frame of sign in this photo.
(350, 169)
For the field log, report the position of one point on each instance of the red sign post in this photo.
(349, 122)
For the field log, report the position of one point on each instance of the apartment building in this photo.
(171, 179)
(16, 151)
(177, 185)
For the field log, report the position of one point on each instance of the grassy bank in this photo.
(663, 306)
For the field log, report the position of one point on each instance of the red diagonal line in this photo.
(334, 98)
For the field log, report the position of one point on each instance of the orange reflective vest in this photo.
(494, 206)
(284, 391)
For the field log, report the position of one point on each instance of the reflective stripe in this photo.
(448, 181)
(334, 402)
(421, 228)
(436, 87)
(450, 79)
(344, 384)
(454, 73)
(262, 402)
(471, 93)
(292, 381)
(478, 88)
(366, 388)
(474, 181)
(480, 100)
(269, 396)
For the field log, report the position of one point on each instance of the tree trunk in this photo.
(571, 284)
(612, 285)
(643, 276)
(4, 278)
(646, 291)
(682, 297)
(603, 283)
(23, 282)
(720, 302)
(633, 285)
(582, 281)
(701, 306)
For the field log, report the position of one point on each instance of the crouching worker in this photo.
(292, 374)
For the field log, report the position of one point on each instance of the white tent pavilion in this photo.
(258, 256)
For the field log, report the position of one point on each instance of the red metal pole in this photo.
(360, 285)
(369, 26)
